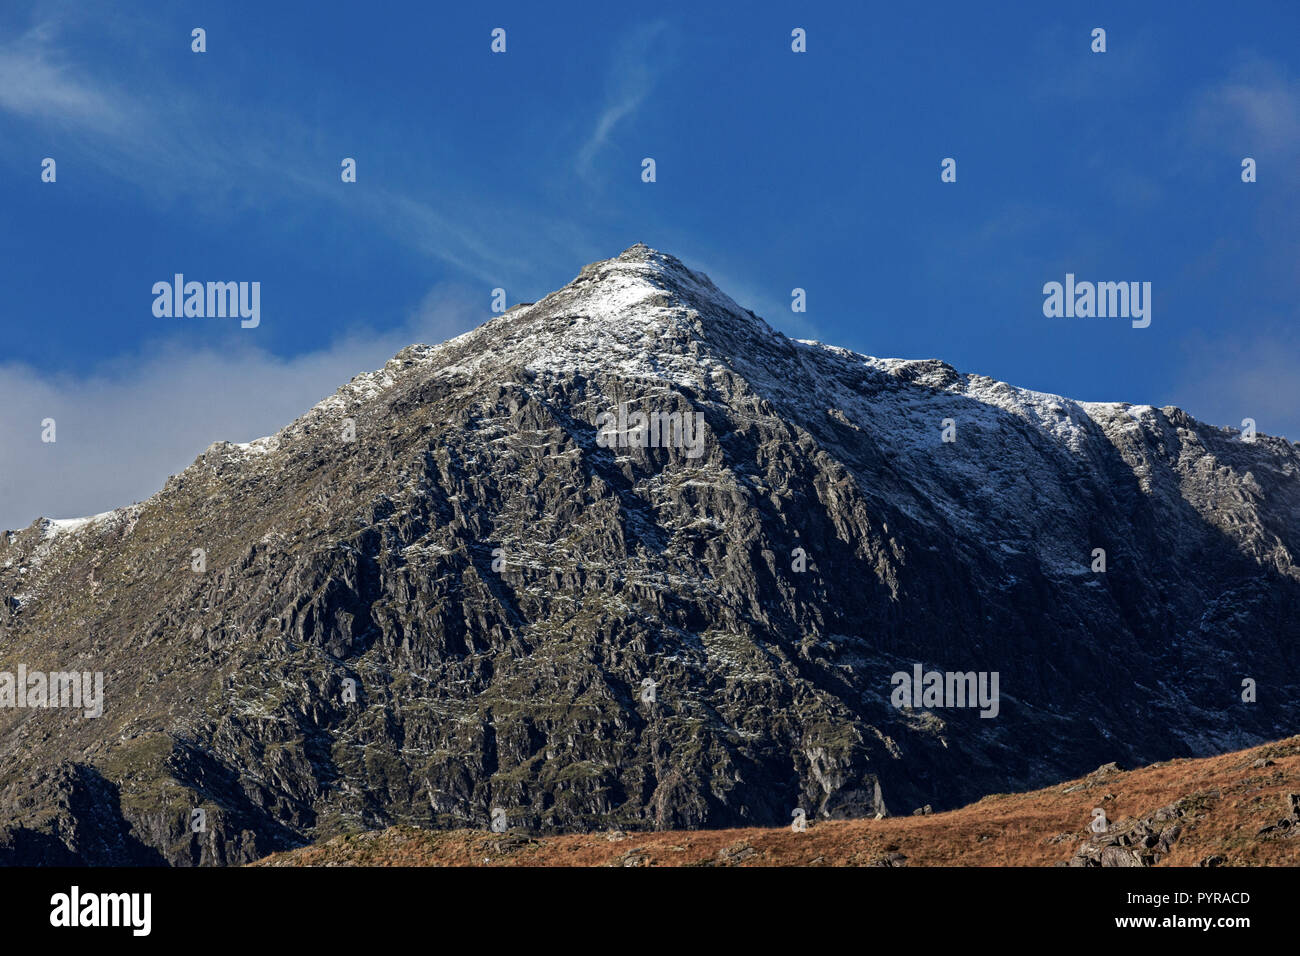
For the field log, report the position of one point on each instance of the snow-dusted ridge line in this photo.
(609, 318)
(52, 528)
(57, 526)
(616, 309)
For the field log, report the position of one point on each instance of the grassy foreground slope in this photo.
(1239, 809)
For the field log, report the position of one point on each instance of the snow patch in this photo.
(57, 526)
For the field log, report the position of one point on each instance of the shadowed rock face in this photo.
(495, 587)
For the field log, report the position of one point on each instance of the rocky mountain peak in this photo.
(440, 593)
(642, 312)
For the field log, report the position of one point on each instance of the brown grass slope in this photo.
(1239, 809)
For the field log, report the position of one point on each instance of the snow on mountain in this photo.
(449, 539)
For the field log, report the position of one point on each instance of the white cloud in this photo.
(637, 64)
(1256, 107)
(33, 84)
(170, 143)
(124, 429)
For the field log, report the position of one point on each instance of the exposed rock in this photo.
(736, 854)
(510, 843)
(459, 609)
(1140, 842)
(1289, 825)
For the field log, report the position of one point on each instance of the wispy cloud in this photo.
(1256, 107)
(36, 81)
(158, 138)
(640, 59)
(1064, 67)
(1229, 378)
(176, 143)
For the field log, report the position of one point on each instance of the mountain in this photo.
(1240, 809)
(444, 591)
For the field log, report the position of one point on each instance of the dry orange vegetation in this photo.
(1225, 803)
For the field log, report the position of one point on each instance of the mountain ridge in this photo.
(660, 267)
(449, 535)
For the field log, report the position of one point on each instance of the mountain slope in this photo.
(1240, 809)
(450, 534)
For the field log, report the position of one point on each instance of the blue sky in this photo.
(774, 170)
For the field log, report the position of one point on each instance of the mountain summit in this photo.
(492, 581)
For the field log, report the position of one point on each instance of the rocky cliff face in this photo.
(445, 590)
